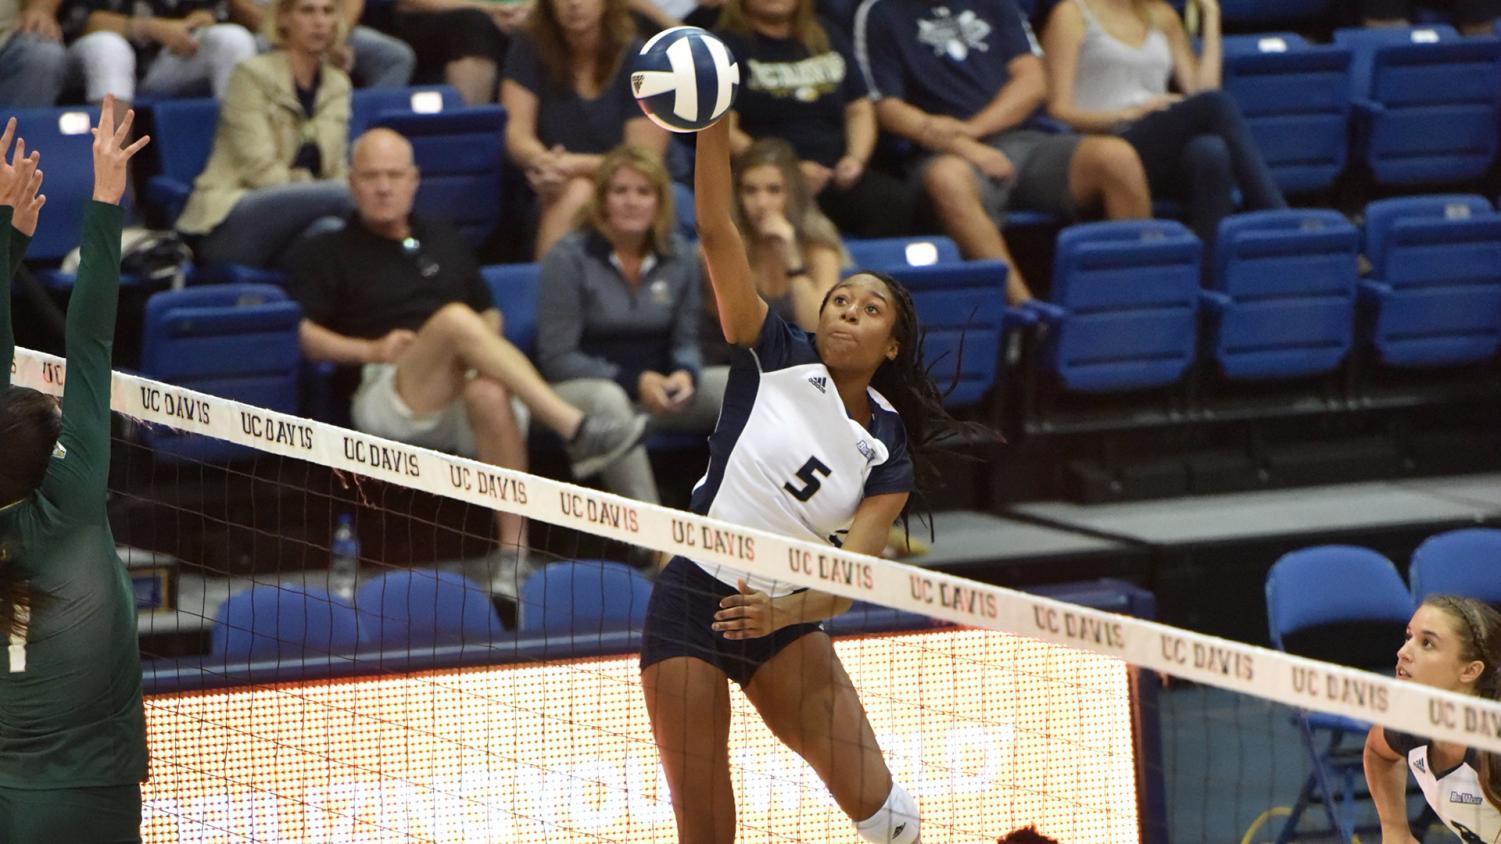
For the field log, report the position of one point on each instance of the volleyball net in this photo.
(429, 709)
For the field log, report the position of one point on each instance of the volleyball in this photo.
(685, 79)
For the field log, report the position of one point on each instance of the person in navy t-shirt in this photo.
(963, 82)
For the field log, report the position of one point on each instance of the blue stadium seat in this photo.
(422, 608)
(282, 622)
(1124, 307)
(1313, 611)
(1408, 81)
(583, 598)
(1433, 297)
(63, 136)
(962, 309)
(460, 154)
(1296, 99)
(184, 139)
(514, 288)
(235, 341)
(1281, 303)
(368, 105)
(1458, 562)
(888, 253)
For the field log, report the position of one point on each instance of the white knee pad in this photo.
(894, 823)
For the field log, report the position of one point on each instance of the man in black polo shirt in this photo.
(402, 297)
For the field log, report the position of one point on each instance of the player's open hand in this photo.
(747, 615)
(111, 154)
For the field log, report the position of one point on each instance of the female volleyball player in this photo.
(805, 446)
(72, 728)
(1455, 644)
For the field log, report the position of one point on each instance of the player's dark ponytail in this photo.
(1479, 628)
(29, 427)
(907, 382)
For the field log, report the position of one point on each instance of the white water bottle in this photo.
(343, 559)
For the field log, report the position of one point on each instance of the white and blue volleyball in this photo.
(685, 79)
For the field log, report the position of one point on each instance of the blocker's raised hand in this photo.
(111, 155)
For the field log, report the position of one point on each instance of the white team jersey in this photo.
(785, 457)
(1455, 794)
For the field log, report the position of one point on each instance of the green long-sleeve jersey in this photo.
(70, 696)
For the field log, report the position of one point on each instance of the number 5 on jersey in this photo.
(809, 476)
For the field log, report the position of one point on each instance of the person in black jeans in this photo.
(1109, 63)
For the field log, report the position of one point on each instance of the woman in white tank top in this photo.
(1109, 63)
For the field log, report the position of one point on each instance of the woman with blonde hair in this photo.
(566, 89)
(617, 316)
(278, 163)
(795, 252)
(1109, 63)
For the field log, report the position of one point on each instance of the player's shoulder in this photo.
(886, 421)
(1403, 743)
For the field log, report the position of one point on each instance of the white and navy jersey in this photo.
(1454, 794)
(786, 457)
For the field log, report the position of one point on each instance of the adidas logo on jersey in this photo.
(1467, 799)
(1420, 766)
(820, 382)
(897, 831)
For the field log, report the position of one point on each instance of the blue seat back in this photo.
(184, 139)
(960, 307)
(460, 154)
(1364, 41)
(426, 608)
(889, 253)
(1131, 293)
(1316, 596)
(1296, 100)
(582, 598)
(514, 287)
(1417, 86)
(1458, 562)
(1438, 261)
(67, 145)
(1290, 278)
(286, 622)
(368, 105)
(238, 341)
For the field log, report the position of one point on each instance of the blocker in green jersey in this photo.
(72, 727)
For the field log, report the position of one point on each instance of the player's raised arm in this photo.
(741, 309)
(91, 313)
(20, 203)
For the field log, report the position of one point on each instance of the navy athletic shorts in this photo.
(679, 622)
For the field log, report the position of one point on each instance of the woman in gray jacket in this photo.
(618, 314)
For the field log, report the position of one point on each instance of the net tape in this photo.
(1238, 667)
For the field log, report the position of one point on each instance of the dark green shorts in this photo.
(106, 815)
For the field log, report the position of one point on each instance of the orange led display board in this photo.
(986, 730)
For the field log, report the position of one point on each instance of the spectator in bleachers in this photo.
(618, 314)
(32, 59)
(401, 297)
(372, 58)
(1109, 63)
(1471, 17)
(278, 161)
(567, 90)
(460, 42)
(168, 48)
(794, 250)
(800, 83)
(962, 82)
